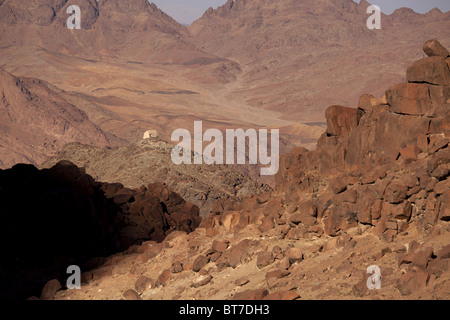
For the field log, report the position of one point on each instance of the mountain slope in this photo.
(148, 161)
(135, 29)
(374, 193)
(36, 121)
(301, 56)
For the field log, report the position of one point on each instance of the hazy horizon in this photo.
(186, 13)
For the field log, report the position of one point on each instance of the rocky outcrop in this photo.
(383, 168)
(148, 161)
(382, 162)
(57, 217)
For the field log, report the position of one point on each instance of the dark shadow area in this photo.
(53, 218)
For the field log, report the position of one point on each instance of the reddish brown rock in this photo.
(422, 258)
(266, 225)
(438, 145)
(307, 208)
(211, 232)
(391, 224)
(444, 206)
(338, 218)
(402, 211)
(295, 219)
(242, 281)
(142, 284)
(50, 289)
(282, 295)
(277, 274)
(432, 70)
(410, 152)
(177, 267)
(350, 196)
(342, 120)
(444, 253)
(396, 192)
(151, 250)
(258, 294)
(219, 246)
(199, 263)
(239, 253)
(130, 294)
(163, 278)
(438, 267)
(405, 259)
(413, 280)
(264, 259)
(338, 184)
(365, 102)
(414, 98)
(434, 48)
(294, 255)
(230, 220)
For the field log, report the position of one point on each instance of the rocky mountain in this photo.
(135, 29)
(263, 62)
(36, 121)
(300, 56)
(366, 185)
(376, 191)
(148, 161)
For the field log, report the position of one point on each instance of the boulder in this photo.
(201, 280)
(266, 225)
(338, 218)
(277, 274)
(342, 120)
(142, 284)
(413, 280)
(338, 184)
(130, 294)
(434, 48)
(415, 98)
(264, 259)
(257, 294)
(163, 278)
(433, 70)
(444, 206)
(421, 258)
(219, 246)
(294, 255)
(239, 253)
(396, 192)
(50, 289)
(444, 253)
(286, 295)
(199, 263)
(402, 211)
(365, 102)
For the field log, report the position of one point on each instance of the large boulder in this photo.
(342, 120)
(432, 70)
(434, 48)
(416, 98)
